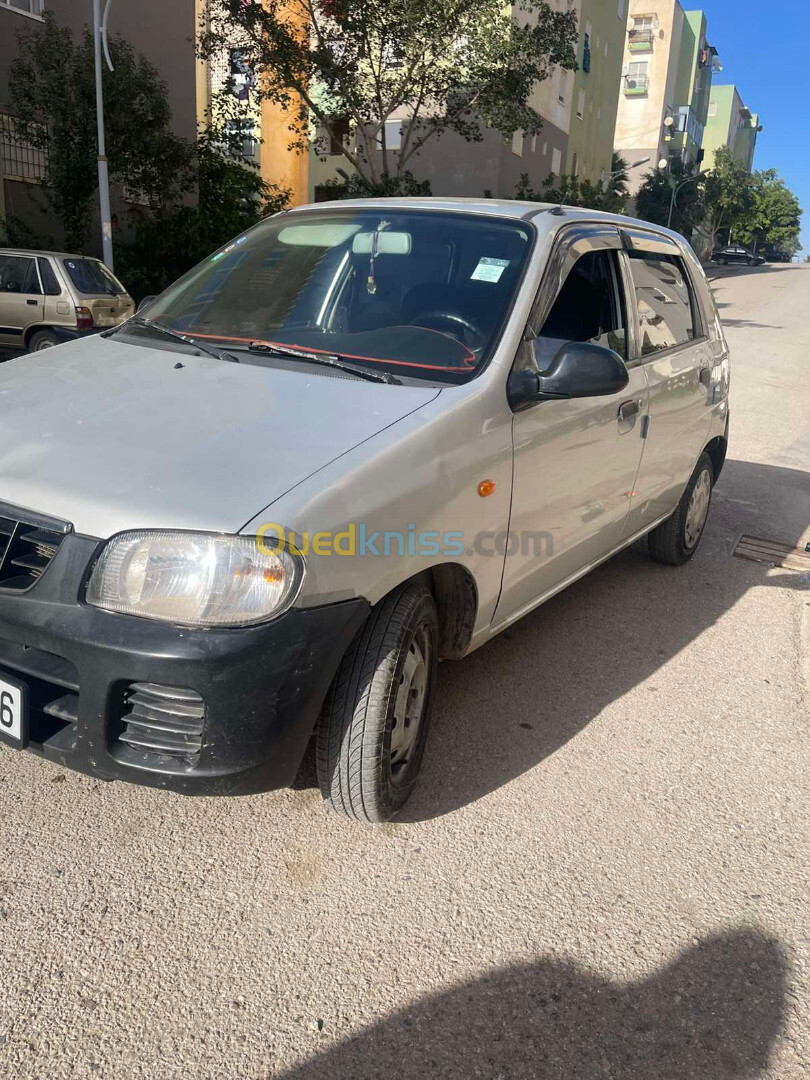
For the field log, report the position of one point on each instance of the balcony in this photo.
(640, 40)
(636, 85)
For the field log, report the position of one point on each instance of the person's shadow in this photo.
(712, 1014)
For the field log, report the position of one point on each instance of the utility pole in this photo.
(99, 32)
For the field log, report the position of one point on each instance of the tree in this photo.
(654, 198)
(727, 198)
(436, 65)
(569, 190)
(774, 221)
(52, 95)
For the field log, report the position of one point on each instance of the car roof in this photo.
(549, 214)
(36, 253)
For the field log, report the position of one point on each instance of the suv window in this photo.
(589, 307)
(49, 281)
(666, 307)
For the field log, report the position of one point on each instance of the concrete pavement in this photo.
(604, 872)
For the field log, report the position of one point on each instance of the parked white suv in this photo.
(357, 439)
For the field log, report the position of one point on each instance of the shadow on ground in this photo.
(713, 1014)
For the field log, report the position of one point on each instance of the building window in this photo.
(713, 108)
(575, 165)
(545, 149)
(586, 53)
(636, 81)
(28, 7)
(338, 135)
(517, 143)
(240, 137)
(581, 104)
(393, 135)
(556, 161)
(240, 74)
(534, 142)
(19, 160)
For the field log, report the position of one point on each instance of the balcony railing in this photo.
(640, 40)
(19, 160)
(636, 85)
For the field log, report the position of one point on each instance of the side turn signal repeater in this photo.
(486, 487)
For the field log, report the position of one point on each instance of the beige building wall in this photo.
(641, 113)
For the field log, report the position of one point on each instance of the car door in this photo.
(21, 301)
(575, 460)
(670, 341)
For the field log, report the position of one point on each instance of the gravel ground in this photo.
(604, 872)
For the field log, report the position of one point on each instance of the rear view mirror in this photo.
(579, 370)
(388, 243)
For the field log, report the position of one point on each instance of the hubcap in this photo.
(698, 509)
(410, 706)
(44, 345)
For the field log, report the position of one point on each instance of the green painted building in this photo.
(730, 123)
(602, 31)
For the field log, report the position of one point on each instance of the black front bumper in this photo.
(262, 687)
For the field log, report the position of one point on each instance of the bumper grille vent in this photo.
(26, 550)
(163, 720)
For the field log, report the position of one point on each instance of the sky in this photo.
(765, 51)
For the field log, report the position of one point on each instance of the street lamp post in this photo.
(99, 37)
(675, 189)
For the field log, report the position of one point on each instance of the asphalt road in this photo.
(604, 873)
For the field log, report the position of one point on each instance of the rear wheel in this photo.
(372, 731)
(676, 540)
(42, 339)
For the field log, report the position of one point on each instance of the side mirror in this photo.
(579, 370)
(147, 300)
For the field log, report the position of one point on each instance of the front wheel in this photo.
(676, 540)
(372, 731)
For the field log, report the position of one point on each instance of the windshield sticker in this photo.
(489, 269)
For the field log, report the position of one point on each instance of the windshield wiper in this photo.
(332, 360)
(150, 324)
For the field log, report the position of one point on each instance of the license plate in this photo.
(13, 712)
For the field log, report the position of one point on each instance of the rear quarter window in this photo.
(50, 284)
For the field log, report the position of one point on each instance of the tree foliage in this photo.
(443, 65)
(774, 220)
(52, 95)
(569, 190)
(654, 198)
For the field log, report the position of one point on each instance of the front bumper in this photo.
(262, 687)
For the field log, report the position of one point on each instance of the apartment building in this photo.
(594, 104)
(730, 123)
(665, 86)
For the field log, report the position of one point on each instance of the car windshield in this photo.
(91, 276)
(419, 293)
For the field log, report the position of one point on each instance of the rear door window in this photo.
(666, 308)
(14, 273)
(92, 277)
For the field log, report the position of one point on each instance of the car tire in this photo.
(752, 262)
(676, 540)
(723, 262)
(372, 731)
(42, 339)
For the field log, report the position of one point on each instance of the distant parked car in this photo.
(737, 254)
(47, 297)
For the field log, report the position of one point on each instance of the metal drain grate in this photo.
(774, 552)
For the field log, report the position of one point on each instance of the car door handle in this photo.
(706, 376)
(628, 409)
(33, 303)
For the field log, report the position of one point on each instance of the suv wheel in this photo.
(676, 540)
(372, 731)
(42, 339)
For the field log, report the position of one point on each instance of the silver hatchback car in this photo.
(358, 439)
(48, 297)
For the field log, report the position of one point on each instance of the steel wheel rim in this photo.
(409, 707)
(44, 345)
(698, 509)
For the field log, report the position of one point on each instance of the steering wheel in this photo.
(470, 335)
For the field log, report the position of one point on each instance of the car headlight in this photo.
(196, 579)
